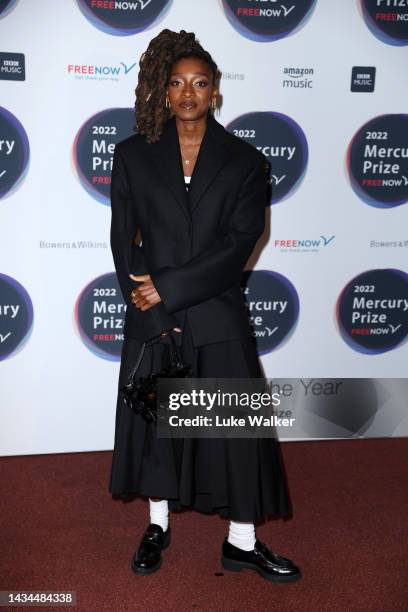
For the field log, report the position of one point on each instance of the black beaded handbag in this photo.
(140, 393)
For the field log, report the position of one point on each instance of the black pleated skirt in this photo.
(242, 479)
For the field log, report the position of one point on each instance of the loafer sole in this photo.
(145, 571)
(237, 566)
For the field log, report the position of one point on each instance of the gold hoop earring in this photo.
(213, 104)
(167, 102)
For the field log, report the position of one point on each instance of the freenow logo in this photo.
(387, 20)
(121, 17)
(372, 311)
(267, 20)
(298, 78)
(377, 161)
(99, 316)
(14, 152)
(363, 78)
(303, 245)
(273, 308)
(282, 141)
(12, 67)
(100, 72)
(16, 316)
(6, 6)
(94, 146)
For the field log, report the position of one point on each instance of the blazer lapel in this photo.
(212, 156)
(167, 156)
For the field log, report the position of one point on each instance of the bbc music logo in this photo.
(124, 17)
(363, 79)
(12, 66)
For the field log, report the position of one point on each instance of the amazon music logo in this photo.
(100, 315)
(267, 20)
(377, 161)
(94, 146)
(372, 311)
(16, 316)
(298, 78)
(282, 141)
(14, 153)
(6, 6)
(387, 20)
(273, 308)
(123, 17)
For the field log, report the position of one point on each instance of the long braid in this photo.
(155, 65)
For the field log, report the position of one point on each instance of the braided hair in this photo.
(155, 64)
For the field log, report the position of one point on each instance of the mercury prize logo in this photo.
(387, 20)
(372, 311)
(377, 161)
(94, 146)
(14, 152)
(284, 144)
(273, 308)
(268, 20)
(16, 316)
(124, 17)
(99, 316)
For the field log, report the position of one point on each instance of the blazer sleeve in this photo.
(219, 267)
(124, 225)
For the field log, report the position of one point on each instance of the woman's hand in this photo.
(145, 296)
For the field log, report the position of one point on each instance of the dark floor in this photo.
(61, 530)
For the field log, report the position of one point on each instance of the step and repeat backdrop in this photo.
(321, 88)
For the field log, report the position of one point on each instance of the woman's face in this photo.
(190, 89)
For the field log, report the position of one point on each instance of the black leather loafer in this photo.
(147, 559)
(270, 565)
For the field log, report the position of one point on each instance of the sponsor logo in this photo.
(267, 20)
(100, 315)
(94, 146)
(298, 78)
(363, 78)
(12, 67)
(123, 17)
(387, 20)
(273, 308)
(16, 316)
(283, 143)
(372, 311)
(14, 152)
(377, 161)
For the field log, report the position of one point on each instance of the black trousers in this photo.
(242, 479)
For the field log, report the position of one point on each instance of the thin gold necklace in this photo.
(188, 161)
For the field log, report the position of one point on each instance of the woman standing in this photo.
(197, 194)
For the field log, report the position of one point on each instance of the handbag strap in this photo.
(174, 352)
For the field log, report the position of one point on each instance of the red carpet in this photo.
(61, 530)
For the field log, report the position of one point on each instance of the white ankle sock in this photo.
(242, 535)
(159, 513)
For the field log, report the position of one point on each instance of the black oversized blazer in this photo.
(193, 246)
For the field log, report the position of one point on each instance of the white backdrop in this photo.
(57, 395)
